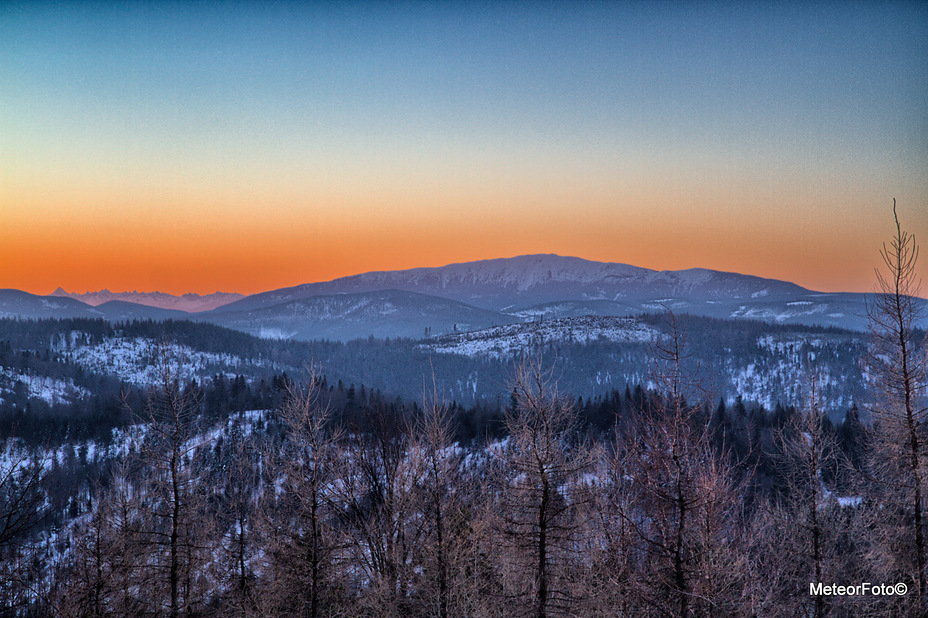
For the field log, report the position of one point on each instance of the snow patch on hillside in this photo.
(275, 333)
(43, 387)
(791, 310)
(784, 374)
(136, 360)
(511, 339)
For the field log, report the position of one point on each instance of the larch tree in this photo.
(299, 518)
(434, 448)
(235, 511)
(170, 528)
(24, 506)
(898, 370)
(380, 513)
(803, 526)
(541, 494)
(683, 496)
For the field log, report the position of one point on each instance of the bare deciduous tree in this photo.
(802, 529)
(299, 517)
(23, 508)
(108, 562)
(898, 368)
(683, 497)
(171, 528)
(441, 463)
(541, 494)
(237, 516)
(22, 500)
(381, 514)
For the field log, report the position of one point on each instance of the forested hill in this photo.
(96, 530)
(63, 361)
(93, 413)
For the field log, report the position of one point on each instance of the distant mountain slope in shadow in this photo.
(424, 302)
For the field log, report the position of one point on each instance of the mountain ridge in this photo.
(433, 301)
(563, 278)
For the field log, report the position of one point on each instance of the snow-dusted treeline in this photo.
(664, 499)
(59, 362)
(363, 506)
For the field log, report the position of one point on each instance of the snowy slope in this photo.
(510, 340)
(136, 360)
(553, 286)
(43, 387)
(531, 279)
(383, 313)
(729, 358)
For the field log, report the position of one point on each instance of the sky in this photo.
(243, 147)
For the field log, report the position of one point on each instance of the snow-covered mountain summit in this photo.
(535, 286)
(507, 283)
(468, 296)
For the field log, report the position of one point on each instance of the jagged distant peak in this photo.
(190, 302)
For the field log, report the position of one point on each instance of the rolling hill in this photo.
(423, 302)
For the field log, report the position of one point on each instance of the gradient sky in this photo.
(195, 147)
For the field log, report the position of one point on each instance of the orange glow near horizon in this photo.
(199, 148)
(203, 250)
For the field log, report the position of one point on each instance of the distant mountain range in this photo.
(429, 302)
(190, 303)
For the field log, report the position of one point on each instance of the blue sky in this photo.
(327, 139)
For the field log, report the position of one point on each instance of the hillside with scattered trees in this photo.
(182, 469)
